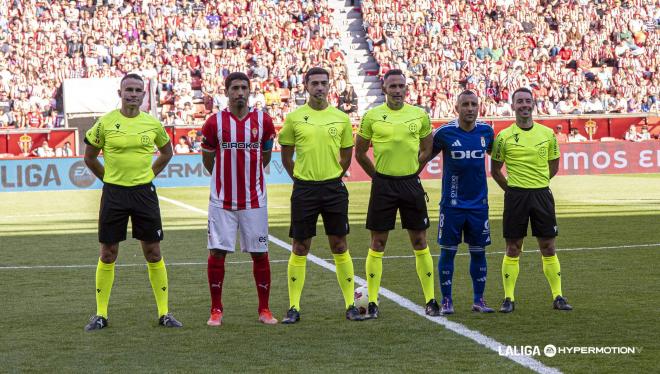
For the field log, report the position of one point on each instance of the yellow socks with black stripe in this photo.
(105, 276)
(345, 275)
(158, 279)
(552, 272)
(374, 268)
(510, 270)
(296, 278)
(424, 266)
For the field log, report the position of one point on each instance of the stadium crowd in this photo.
(188, 47)
(578, 56)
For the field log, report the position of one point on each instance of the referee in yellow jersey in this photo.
(531, 154)
(402, 140)
(127, 138)
(322, 139)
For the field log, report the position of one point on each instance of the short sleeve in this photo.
(287, 135)
(490, 139)
(96, 136)
(268, 133)
(498, 148)
(365, 130)
(426, 128)
(553, 148)
(347, 134)
(162, 138)
(210, 134)
(438, 141)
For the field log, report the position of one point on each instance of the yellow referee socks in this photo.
(158, 279)
(105, 276)
(374, 268)
(510, 270)
(345, 275)
(424, 266)
(552, 272)
(296, 278)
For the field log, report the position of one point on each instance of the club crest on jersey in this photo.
(483, 141)
(332, 131)
(254, 131)
(412, 127)
(144, 139)
(543, 152)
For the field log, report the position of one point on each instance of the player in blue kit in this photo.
(464, 143)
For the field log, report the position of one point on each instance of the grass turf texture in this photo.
(44, 309)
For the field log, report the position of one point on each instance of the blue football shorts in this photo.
(463, 225)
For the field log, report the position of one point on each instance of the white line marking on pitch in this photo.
(458, 328)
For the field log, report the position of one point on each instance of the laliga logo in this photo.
(460, 155)
(80, 175)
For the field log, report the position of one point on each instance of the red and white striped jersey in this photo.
(237, 181)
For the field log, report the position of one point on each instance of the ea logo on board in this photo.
(80, 175)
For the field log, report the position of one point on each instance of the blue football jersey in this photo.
(463, 163)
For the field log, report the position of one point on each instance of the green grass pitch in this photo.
(609, 247)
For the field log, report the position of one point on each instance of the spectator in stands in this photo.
(53, 120)
(64, 151)
(348, 100)
(560, 135)
(632, 135)
(220, 100)
(592, 105)
(272, 96)
(299, 96)
(34, 117)
(196, 142)
(182, 146)
(645, 134)
(6, 109)
(575, 136)
(44, 151)
(255, 97)
(4, 121)
(569, 105)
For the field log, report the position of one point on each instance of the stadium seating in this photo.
(188, 47)
(566, 51)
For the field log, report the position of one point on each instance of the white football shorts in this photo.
(225, 224)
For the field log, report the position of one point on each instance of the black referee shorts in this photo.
(522, 205)
(309, 199)
(390, 193)
(140, 203)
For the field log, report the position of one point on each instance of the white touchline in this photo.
(458, 328)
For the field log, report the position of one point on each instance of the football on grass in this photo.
(361, 298)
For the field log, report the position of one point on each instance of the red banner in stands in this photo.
(576, 159)
(16, 143)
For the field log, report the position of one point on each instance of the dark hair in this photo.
(393, 72)
(465, 92)
(236, 76)
(131, 76)
(314, 71)
(522, 89)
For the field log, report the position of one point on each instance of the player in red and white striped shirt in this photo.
(237, 146)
